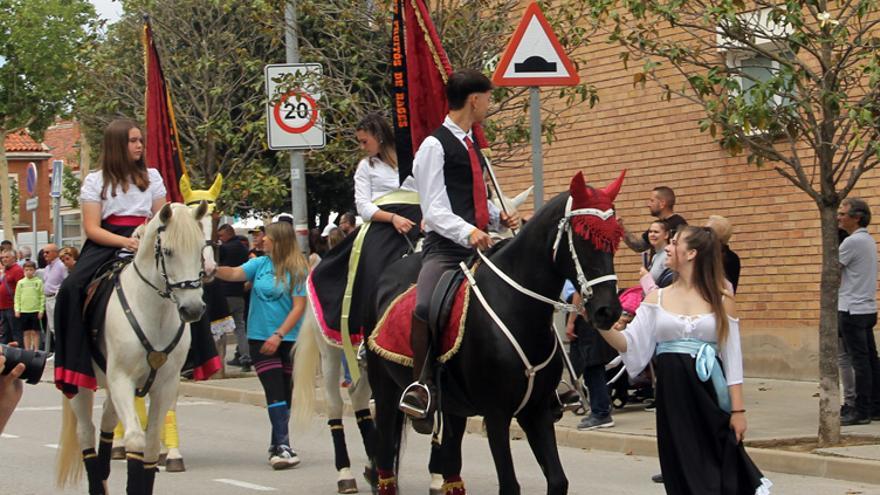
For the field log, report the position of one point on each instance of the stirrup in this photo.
(411, 410)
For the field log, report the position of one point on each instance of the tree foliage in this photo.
(212, 55)
(40, 45)
(352, 41)
(792, 84)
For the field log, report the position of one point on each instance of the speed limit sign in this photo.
(293, 117)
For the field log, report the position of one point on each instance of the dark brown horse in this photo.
(573, 237)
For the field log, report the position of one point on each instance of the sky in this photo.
(108, 9)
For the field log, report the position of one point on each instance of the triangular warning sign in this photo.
(534, 56)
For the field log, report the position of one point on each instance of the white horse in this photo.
(311, 347)
(163, 283)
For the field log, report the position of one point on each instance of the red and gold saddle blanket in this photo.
(391, 337)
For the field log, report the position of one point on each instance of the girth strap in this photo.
(155, 359)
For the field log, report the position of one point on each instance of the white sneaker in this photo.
(283, 457)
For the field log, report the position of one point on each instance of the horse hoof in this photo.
(162, 458)
(175, 466)
(435, 491)
(117, 453)
(371, 476)
(346, 486)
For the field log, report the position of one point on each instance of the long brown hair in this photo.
(117, 167)
(708, 272)
(376, 125)
(286, 255)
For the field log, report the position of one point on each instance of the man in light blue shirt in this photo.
(857, 308)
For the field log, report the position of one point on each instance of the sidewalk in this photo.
(778, 412)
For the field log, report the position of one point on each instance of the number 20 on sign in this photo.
(293, 119)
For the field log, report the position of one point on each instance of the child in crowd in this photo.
(30, 304)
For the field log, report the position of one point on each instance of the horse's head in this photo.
(589, 232)
(170, 257)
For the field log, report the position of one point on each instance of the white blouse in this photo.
(133, 202)
(654, 324)
(373, 182)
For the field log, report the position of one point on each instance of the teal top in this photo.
(29, 296)
(270, 303)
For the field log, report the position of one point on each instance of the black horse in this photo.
(488, 376)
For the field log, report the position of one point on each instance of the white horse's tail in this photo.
(68, 463)
(305, 367)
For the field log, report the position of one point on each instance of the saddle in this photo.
(442, 299)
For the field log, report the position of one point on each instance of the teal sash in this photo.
(704, 353)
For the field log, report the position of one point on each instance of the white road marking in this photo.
(7, 435)
(51, 445)
(99, 406)
(245, 484)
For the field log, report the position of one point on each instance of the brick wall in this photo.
(776, 226)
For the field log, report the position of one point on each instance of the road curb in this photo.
(771, 460)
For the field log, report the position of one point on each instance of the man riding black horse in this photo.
(448, 169)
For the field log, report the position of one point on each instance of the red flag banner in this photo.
(420, 70)
(162, 141)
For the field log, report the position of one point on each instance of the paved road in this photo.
(224, 447)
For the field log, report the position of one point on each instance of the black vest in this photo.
(459, 188)
(457, 174)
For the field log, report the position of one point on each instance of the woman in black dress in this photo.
(688, 326)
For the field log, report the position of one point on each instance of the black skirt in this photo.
(73, 343)
(699, 453)
(382, 246)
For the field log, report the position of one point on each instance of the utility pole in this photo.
(298, 200)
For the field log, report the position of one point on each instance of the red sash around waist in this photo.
(126, 220)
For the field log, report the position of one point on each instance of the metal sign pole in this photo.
(537, 153)
(298, 200)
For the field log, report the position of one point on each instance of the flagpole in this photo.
(298, 200)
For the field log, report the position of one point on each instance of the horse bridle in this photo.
(160, 266)
(155, 359)
(586, 293)
(565, 228)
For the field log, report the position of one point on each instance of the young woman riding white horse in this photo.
(141, 348)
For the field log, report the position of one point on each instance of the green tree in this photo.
(71, 185)
(212, 55)
(792, 84)
(352, 41)
(40, 44)
(15, 198)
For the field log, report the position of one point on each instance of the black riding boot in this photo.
(417, 402)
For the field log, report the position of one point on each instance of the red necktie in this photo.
(481, 211)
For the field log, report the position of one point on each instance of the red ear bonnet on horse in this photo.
(605, 233)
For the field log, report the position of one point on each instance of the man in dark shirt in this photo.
(233, 252)
(662, 205)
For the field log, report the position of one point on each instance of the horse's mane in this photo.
(182, 232)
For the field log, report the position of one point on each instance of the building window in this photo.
(752, 68)
(70, 230)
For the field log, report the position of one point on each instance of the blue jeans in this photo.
(600, 399)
